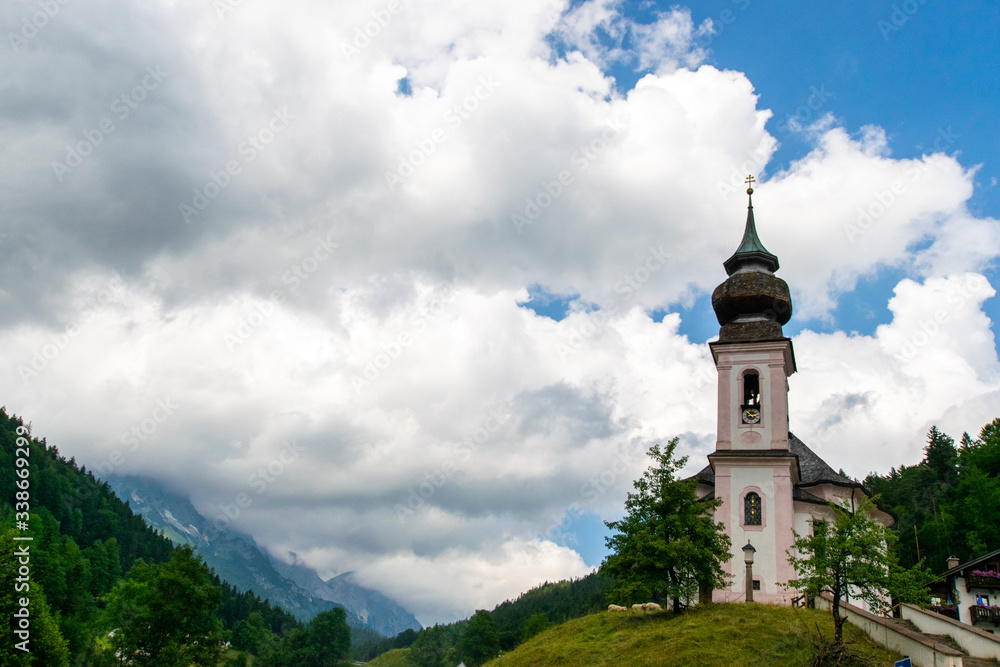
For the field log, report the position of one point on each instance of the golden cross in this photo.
(750, 181)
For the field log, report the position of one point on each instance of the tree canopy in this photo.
(853, 554)
(479, 643)
(947, 504)
(164, 615)
(668, 545)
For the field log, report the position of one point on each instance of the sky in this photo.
(409, 288)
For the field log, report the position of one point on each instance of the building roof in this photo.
(812, 469)
(974, 561)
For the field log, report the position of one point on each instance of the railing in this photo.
(985, 615)
(980, 581)
(950, 612)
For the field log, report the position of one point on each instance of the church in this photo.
(769, 481)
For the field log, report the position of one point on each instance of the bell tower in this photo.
(754, 472)
(752, 355)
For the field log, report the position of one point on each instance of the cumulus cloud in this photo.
(348, 287)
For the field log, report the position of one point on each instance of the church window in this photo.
(750, 410)
(756, 584)
(751, 390)
(751, 510)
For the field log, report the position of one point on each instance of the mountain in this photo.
(237, 558)
(375, 609)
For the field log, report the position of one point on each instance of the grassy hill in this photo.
(397, 657)
(727, 635)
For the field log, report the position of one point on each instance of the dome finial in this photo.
(750, 181)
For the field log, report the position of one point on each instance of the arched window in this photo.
(750, 408)
(751, 389)
(752, 510)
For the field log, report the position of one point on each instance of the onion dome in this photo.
(753, 303)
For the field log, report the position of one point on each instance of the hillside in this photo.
(86, 542)
(237, 558)
(722, 634)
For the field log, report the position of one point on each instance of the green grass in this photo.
(397, 657)
(727, 635)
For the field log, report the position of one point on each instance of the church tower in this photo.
(770, 483)
(754, 470)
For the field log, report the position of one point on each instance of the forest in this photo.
(948, 503)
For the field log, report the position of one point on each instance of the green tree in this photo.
(249, 634)
(164, 616)
(328, 637)
(668, 545)
(984, 451)
(941, 455)
(853, 553)
(535, 624)
(479, 642)
(44, 643)
(431, 647)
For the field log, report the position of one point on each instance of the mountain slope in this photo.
(237, 558)
(373, 608)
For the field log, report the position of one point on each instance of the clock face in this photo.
(751, 415)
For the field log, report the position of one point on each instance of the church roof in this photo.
(812, 469)
(751, 250)
(752, 303)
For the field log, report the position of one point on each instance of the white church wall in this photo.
(761, 537)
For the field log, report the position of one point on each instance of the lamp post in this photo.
(748, 552)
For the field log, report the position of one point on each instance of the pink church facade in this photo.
(769, 481)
